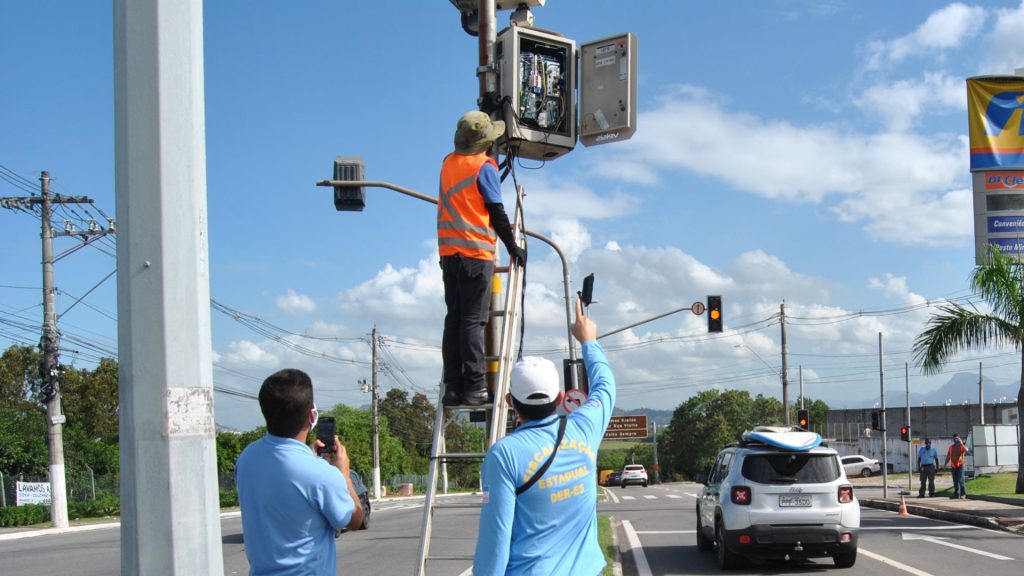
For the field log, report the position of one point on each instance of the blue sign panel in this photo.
(1008, 245)
(1006, 224)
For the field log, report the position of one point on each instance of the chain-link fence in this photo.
(82, 485)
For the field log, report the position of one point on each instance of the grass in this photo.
(1001, 485)
(604, 539)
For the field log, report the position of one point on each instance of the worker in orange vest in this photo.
(470, 218)
(955, 459)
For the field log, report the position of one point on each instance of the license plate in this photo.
(794, 501)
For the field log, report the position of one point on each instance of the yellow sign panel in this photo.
(995, 109)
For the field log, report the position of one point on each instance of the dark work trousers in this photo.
(467, 295)
(927, 475)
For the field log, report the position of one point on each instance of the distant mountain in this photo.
(662, 417)
(961, 386)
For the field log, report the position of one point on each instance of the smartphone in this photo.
(587, 294)
(325, 433)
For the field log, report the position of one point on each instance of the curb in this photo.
(617, 562)
(949, 516)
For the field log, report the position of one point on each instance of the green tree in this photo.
(1000, 283)
(411, 419)
(23, 441)
(767, 411)
(19, 376)
(90, 399)
(701, 426)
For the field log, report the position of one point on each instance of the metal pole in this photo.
(801, 386)
(785, 372)
(981, 396)
(376, 421)
(910, 445)
(50, 370)
(885, 439)
(3, 491)
(170, 505)
(657, 469)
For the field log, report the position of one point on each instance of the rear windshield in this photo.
(635, 468)
(791, 468)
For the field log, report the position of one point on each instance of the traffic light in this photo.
(905, 433)
(714, 313)
(803, 419)
(875, 425)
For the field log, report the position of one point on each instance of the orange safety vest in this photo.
(463, 223)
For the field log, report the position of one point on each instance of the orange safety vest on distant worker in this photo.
(955, 454)
(463, 222)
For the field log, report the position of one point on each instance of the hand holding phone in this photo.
(325, 432)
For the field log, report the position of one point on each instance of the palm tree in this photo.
(1000, 283)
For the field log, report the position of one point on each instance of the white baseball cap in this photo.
(534, 381)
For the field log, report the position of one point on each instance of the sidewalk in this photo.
(982, 511)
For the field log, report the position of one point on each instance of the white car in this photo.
(861, 466)
(633, 474)
(764, 502)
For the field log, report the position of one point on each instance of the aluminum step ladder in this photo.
(506, 321)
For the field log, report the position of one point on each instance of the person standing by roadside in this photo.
(291, 500)
(928, 460)
(955, 460)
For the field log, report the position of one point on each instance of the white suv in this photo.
(633, 474)
(764, 502)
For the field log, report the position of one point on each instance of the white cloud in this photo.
(873, 176)
(944, 29)
(413, 294)
(295, 303)
(1007, 50)
(900, 104)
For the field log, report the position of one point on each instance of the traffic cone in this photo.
(903, 506)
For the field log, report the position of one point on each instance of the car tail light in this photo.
(845, 538)
(744, 539)
(740, 495)
(845, 494)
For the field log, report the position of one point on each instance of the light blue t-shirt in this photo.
(550, 529)
(927, 455)
(291, 503)
(489, 183)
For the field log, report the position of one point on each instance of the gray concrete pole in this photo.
(785, 371)
(885, 438)
(981, 397)
(50, 369)
(170, 522)
(376, 417)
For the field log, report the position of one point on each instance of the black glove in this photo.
(519, 254)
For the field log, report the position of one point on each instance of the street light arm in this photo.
(651, 319)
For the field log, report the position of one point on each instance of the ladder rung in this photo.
(452, 505)
(463, 557)
(461, 456)
(467, 408)
(497, 313)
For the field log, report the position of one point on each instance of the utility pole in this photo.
(981, 396)
(170, 505)
(885, 439)
(785, 372)
(50, 369)
(376, 416)
(657, 468)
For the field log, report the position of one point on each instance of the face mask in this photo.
(315, 418)
(956, 440)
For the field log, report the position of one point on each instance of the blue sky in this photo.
(812, 152)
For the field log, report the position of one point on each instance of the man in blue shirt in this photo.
(928, 460)
(292, 500)
(551, 527)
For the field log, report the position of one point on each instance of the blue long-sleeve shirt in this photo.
(550, 529)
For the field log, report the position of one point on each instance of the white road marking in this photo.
(633, 541)
(674, 496)
(954, 527)
(894, 563)
(629, 497)
(666, 532)
(468, 572)
(649, 497)
(615, 499)
(942, 541)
